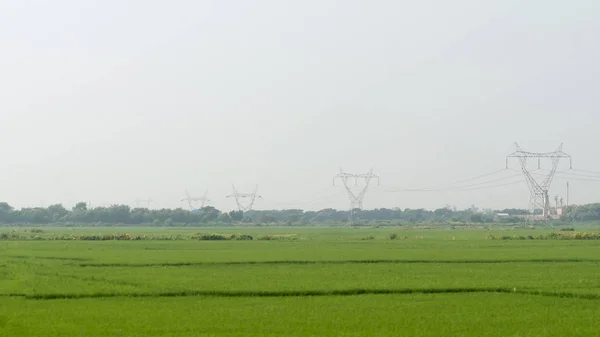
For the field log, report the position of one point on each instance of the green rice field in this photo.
(306, 282)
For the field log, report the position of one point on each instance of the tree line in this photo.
(82, 215)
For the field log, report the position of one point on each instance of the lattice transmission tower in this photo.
(138, 202)
(201, 200)
(240, 197)
(356, 192)
(539, 201)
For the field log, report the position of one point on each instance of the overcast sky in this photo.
(109, 101)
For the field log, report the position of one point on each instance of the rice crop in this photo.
(297, 282)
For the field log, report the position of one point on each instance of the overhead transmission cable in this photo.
(319, 196)
(568, 174)
(481, 176)
(578, 175)
(577, 179)
(493, 186)
(310, 202)
(459, 185)
(587, 171)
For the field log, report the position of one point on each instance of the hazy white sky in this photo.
(109, 101)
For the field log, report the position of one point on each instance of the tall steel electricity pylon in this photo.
(539, 199)
(147, 201)
(241, 196)
(356, 199)
(202, 200)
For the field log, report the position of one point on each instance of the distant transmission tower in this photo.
(539, 200)
(356, 199)
(239, 197)
(138, 202)
(202, 200)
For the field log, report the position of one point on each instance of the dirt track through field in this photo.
(307, 293)
(184, 264)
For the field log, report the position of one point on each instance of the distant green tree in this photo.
(6, 211)
(268, 218)
(236, 215)
(5, 207)
(477, 217)
(57, 212)
(80, 207)
(123, 214)
(224, 218)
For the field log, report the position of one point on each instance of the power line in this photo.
(493, 186)
(577, 174)
(586, 171)
(318, 196)
(482, 183)
(481, 176)
(578, 179)
(451, 187)
(310, 202)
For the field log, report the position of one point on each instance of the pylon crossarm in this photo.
(520, 154)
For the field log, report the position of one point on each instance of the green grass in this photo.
(330, 282)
